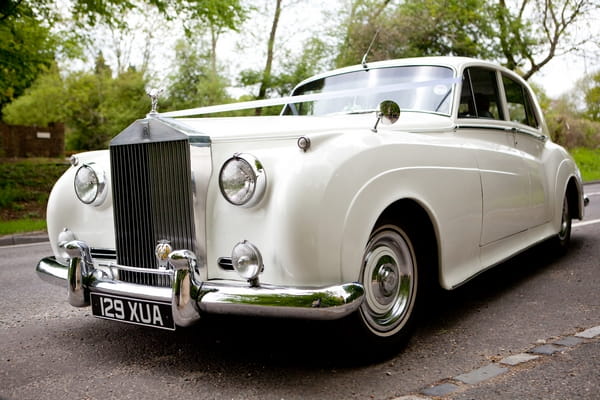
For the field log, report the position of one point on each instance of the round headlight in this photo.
(247, 260)
(242, 180)
(90, 184)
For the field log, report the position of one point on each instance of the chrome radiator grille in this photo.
(152, 201)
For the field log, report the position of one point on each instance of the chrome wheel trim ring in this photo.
(389, 276)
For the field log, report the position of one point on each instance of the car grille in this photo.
(152, 201)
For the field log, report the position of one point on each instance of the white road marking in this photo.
(13, 246)
(585, 223)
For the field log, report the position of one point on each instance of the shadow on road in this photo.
(221, 344)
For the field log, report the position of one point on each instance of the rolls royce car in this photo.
(374, 186)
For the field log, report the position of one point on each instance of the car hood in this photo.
(280, 127)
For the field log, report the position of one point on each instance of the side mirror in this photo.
(388, 114)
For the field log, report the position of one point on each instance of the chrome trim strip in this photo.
(136, 269)
(317, 303)
(126, 289)
(503, 128)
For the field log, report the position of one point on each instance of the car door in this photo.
(529, 141)
(504, 176)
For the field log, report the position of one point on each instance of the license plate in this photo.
(133, 311)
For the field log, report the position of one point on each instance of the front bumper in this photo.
(189, 299)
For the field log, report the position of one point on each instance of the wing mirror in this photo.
(388, 113)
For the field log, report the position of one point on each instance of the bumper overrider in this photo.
(189, 298)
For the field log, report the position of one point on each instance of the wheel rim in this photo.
(389, 277)
(565, 222)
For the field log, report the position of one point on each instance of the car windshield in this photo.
(414, 88)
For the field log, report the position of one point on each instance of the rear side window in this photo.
(479, 96)
(520, 106)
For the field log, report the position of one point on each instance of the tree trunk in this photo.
(265, 83)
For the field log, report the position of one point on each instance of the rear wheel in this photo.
(390, 276)
(563, 238)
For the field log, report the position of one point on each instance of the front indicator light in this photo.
(247, 261)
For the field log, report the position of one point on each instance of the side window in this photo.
(479, 96)
(519, 103)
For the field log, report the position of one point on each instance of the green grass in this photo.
(588, 161)
(21, 226)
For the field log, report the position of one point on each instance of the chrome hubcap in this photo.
(389, 276)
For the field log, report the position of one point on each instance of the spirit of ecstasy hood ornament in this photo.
(154, 93)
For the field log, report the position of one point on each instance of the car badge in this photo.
(162, 251)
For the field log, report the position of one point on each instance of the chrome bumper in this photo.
(189, 298)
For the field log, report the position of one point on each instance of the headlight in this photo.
(90, 184)
(242, 180)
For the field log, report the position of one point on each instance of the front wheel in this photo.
(390, 276)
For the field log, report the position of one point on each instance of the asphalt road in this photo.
(53, 351)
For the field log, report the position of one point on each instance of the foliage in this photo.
(592, 96)
(414, 28)
(27, 49)
(93, 106)
(293, 70)
(529, 34)
(98, 107)
(25, 186)
(568, 127)
(194, 83)
(34, 107)
(588, 161)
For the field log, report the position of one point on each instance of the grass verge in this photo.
(21, 226)
(588, 161)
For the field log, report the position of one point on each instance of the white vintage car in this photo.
(376, 182)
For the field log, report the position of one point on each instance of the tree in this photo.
(41, 104)
(27, 49)
(93, 105)
(524, 35)
(195, 82)
(530, 33)
(592, 96)
(98, 106)
(413, 28)
(313, 59)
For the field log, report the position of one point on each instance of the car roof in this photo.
(454, 62)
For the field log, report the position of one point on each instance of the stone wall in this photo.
(32, 141)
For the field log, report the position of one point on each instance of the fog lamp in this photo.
(247, 261)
